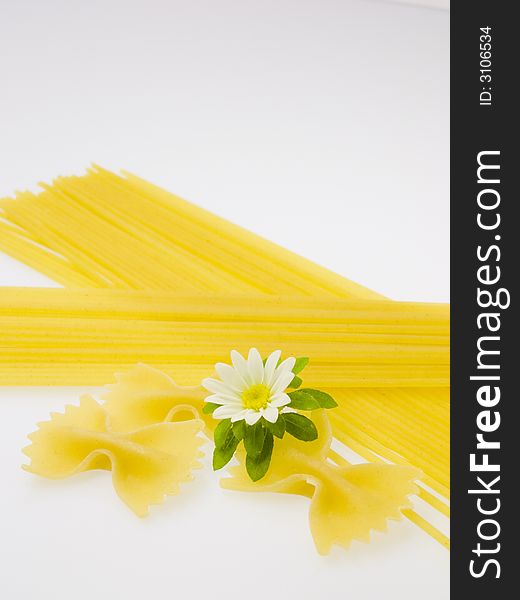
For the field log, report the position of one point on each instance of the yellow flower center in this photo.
(256, 397)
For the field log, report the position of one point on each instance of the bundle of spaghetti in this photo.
(401, 426)
(352, 343)
(106, 231)
(416, 318)
(400, 414)
(127, 233)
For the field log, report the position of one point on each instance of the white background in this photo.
(320, 124)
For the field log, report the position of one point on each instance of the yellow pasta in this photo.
(156, 268)
(93, 335)
(143, 396)
(147, 463)
(351, 343)
(408, 512)
(124, 232)
(159, 304)
(347, 502)
(404, 426)
(146, 434)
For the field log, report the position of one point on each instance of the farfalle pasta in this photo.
(147, 435)
(143, 396)
(346, 502)
(147, 463)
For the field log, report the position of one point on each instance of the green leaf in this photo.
(221, 432)
(301, 400)
(209, 407)
(300, 427)
(322, 398)
(295, 382)
(300, 364)
(239, 429)
(223, 454)
(254, 438)
(257, 466)
(277, 428)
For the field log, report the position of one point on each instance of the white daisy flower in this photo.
(249, 389)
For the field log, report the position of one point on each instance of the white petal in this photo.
(270, 414)
(240, 364)
(288, 409)
(279, 400)
(251, 417)
(270, 366)
(223, 399)
(239, 416)
(226, 411)
(217, 387)
(281, 383)
(255, 366)
(230, 377)
(215, 399)
(285, 365)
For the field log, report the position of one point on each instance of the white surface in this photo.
(321, 125)
(439, 4)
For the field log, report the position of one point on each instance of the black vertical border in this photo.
(475, 128)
